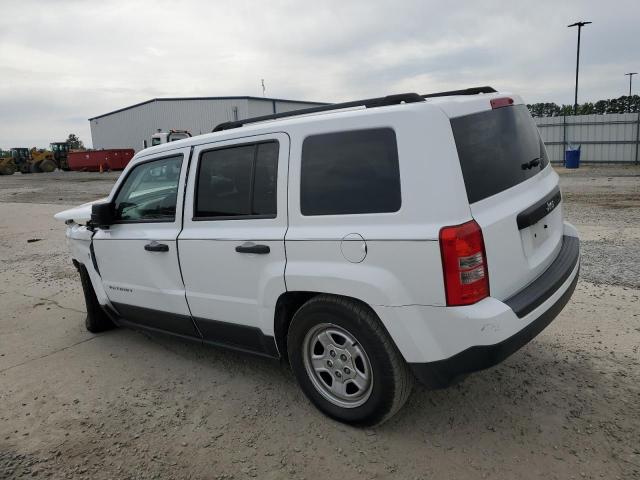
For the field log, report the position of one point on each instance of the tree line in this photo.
(74, 142)
(601, 107)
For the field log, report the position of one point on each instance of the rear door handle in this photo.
(156, 247)
(250, 247)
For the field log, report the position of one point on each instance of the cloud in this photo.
(64, 61)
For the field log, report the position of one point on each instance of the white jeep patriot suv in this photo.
(369, 243)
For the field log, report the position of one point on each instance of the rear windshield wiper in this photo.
(529, 165)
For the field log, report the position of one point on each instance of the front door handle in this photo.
(250, 247)
(156, 247)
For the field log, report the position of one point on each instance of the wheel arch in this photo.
(289, 303)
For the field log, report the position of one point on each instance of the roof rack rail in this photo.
(368, 103)
(466, 91)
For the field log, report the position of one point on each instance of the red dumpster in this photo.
(92, 160)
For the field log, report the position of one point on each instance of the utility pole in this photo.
(631, 74)
(575, 100)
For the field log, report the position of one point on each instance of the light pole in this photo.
(631, 74)
(579, 25)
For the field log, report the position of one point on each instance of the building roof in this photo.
(178, 99)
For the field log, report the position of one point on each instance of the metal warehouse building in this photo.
(128, 127)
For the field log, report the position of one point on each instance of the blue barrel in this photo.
(572, 158)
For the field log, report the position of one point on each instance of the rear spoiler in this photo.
(466, 91)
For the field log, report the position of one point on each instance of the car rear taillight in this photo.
(464, 264)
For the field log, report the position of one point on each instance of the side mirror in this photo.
(102, 214)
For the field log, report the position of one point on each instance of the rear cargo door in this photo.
(513, 193)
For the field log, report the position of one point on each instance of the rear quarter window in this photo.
(353, 172)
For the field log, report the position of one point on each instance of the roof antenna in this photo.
(262, 80)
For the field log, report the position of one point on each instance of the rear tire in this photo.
(346, 363)
(96, 320)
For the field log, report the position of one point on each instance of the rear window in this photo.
(238, 182)
(497, 149)
(351, 172)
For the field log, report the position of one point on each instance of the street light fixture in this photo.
(579, 25)
(631, 74)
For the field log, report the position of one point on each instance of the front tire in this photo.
(47, 166)
(345, 361)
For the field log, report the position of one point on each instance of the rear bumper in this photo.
(532, 296)
(538, 303)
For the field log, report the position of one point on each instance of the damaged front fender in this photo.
(79, 240)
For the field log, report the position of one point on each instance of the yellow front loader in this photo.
(7, 165)
(42, 161)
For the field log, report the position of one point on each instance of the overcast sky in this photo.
(63, 61)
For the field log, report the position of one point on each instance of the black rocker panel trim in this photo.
(222, 334)
(168, 322)
(238, 337)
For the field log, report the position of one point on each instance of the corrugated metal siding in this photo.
(197, 116)
(288, 106)
(258, 108)
(129, 128)
(123, 129)
(602, 138)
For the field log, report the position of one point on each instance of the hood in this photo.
(79, 214)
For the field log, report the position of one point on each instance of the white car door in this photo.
(232, 246)
(137, 256)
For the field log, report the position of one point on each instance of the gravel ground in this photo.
(126, 404)
(605, 203)
(63, 188)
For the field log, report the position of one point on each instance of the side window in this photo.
(150, 192)
(350, 173)
(238, 182)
